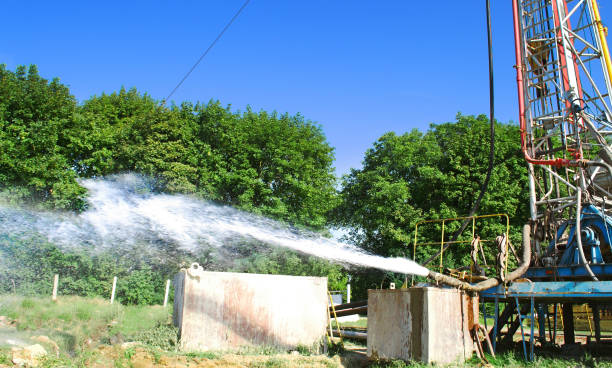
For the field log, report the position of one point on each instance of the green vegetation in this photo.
(91, 332)
(276, 165)
(73, 321)
(433, 175)
(272, 164)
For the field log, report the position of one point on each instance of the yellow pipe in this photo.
(602, 36)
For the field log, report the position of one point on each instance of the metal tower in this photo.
(563, 75)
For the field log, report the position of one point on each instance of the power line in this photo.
(207, 50)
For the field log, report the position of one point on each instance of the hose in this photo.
(492, 282)
(485, 183)
(578, 234)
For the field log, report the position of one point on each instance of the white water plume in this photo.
(123, 212)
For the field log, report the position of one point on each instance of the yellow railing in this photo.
(442, 242)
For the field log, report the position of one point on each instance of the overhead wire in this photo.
(212, 44)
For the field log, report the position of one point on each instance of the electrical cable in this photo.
(207, 50)
(485, 183)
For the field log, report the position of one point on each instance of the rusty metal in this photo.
(351, 311)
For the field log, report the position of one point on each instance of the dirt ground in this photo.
(139, 357)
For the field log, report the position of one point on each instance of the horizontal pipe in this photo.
(354, 334)
(359, 303)
(351, 311)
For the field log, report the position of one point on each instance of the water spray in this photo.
(123, 212)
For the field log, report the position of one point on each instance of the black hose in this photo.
(485, 184)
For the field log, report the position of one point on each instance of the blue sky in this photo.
(358, 68)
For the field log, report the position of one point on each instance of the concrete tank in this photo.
(225, 311)
(425, 324)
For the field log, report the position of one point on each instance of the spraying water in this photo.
(123, 211)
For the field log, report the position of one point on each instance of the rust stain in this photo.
(246, 322)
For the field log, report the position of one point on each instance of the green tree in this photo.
(277, 165)
(35, 115)
(419, 176)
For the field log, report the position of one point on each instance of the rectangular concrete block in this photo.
(424, 324)
(224, 311)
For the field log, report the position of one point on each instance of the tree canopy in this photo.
(277, 165)
(433, 175)
(274, 164)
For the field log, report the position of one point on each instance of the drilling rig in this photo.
(563, 76)
(563, 70)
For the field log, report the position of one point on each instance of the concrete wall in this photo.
(222, 310)
(423, 324)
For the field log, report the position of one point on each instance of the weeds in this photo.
(204, 354)
(164, 336)
(5, 358)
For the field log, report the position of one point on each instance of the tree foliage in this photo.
(274, 164)
(277, 165)
(35, 117)
(433, 175)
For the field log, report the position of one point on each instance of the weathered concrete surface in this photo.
(222, 310)
(424, 324)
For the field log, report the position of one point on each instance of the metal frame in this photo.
(442, 241)
(541, 294)
(565, 94)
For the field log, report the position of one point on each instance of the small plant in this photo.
(84, 314)
(163, 336)
(335, 348)
(203, 354)
(128, 353)
(4, 358)
(304, 350)
(27, 304)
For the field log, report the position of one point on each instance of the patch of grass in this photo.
(164, 336)
(5, 358)
(50, 361)
(395, 364)
(260, 350)
(84, 312)
(273, 362)
(361, 323)
(135, 319)
(304, 350)
(204, 354)
(27, 304)
(73, 321)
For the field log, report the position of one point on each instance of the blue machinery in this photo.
(530, 300)
(563, 281)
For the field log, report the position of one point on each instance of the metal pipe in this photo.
(360, 303)
(492, 282)
(521, 95)
(354, 334)
(350, 312)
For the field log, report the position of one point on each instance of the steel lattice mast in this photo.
(563, 75)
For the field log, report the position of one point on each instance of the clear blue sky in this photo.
(358, 68)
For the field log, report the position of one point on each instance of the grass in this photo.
(73, 322)
(89, 332)
(361, 323)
